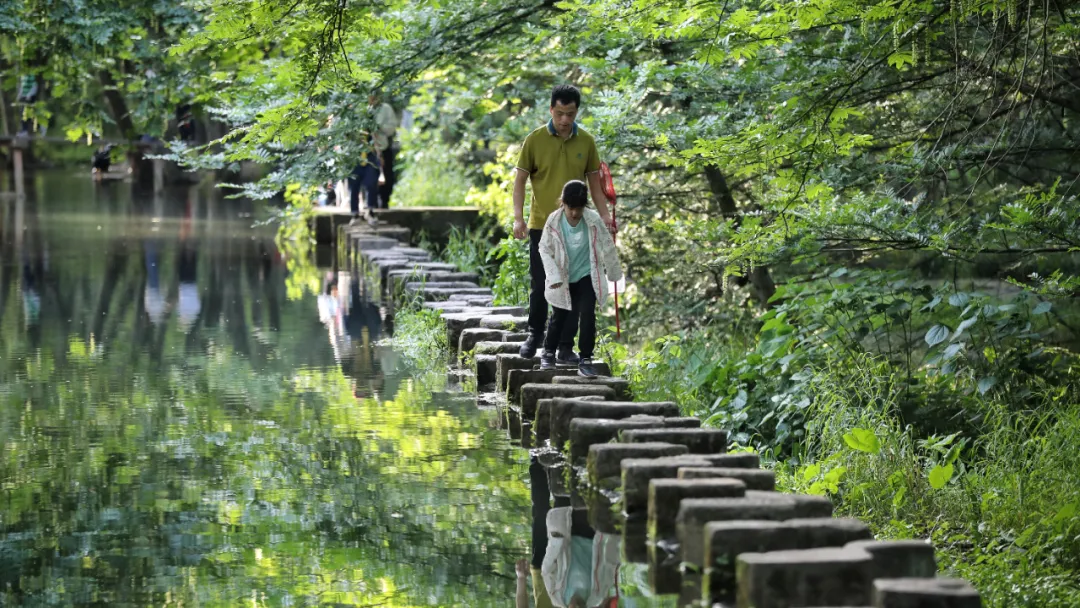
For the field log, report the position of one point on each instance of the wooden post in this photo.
(159, 175)
(17, 158)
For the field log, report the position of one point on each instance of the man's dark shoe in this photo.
(528, 348)
(585, 368)
(547, 360)
(567, 356)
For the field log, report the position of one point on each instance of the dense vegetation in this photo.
(851, 226)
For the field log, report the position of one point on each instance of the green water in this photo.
(182, 423)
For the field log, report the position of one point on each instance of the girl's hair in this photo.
(575, 194)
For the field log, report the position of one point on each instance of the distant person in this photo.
(368, 175)
(386, 122)
(185, 122)
(551, 156)
(101, 161)
(579, 259)
(28, 94)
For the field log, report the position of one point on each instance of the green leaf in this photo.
(937, 335)
(862, 440)
(1041, 308)
(940, 475)
(959, 299)
(987, 383)
(966, 323)
(811, 472)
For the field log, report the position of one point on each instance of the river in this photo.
(183, 422)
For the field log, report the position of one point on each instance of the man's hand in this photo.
(522, 567)
(520, 231)
(610, 223)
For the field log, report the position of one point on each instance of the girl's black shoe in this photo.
(585, 368)
(547, 360)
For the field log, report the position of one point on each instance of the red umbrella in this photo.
(609, 191)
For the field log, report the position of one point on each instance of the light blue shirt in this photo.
(577, 248)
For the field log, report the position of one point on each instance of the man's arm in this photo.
(601, 201)
(520, 179)
(521, 599)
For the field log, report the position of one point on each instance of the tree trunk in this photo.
(761, 283)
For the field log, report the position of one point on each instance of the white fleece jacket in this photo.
(604, 260)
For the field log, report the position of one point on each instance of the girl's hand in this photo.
(522, 567)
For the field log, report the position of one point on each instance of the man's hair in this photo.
(575, 194)
(566, 94)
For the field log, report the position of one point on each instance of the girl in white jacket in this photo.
(579, 259)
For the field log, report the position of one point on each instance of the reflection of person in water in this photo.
(354, 325)
(572, 565)
(153, 301)
(188, 304)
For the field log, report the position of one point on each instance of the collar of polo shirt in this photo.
(551, 127)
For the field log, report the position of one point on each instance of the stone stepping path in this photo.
(709, 524)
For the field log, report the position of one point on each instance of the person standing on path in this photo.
(370, 174)
(579, 259)
(551, 156)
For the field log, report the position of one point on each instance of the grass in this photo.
(1001, 505)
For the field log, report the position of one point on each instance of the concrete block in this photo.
(469, 338)
(698, 441)
(724, 541)
(507, 362)
(505, 322)
(694, 513)
(585, 432)
(459, 321)
(806, 506)
(755, 479)
(491, 347)
(605, 460)
(812, 577)
(565, 410)
(542, 422)
(621, 386)
(603, 465)
(900, 558)
(684, 422)
(666, 495)
(818, 532)
(485, 370)
(516, 378)
(637, 473)
(533, 392)
(518, 336)
(925, 593)
(430, 294)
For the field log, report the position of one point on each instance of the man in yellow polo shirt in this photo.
(551, 156)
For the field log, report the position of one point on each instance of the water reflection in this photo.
(178, 430)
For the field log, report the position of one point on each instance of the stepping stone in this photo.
(812, 577)
(666, 495)
(603, 466)
(699, 441)
(585, 432)
(504, 322)
(755, 479)
(816, 532)
(620, 385)
(565, 410)
(518, 336)
(542, 422)
(369, 242)
(533, 392)
(925, 593)
(489, 347)
(900, 558)
(806, 505)
(471, 337)
(726, 540)
(516, 378)
(457, 322)
(441, 293)
(485, 370)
